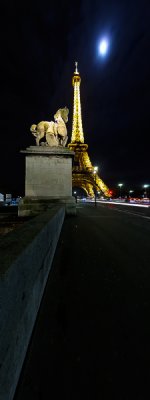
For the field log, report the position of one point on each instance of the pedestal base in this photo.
(31, 206)
(48, 180)
(48, 171)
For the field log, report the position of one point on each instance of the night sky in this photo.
(40, 43)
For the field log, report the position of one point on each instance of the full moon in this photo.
(103, 47)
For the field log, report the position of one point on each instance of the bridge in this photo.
(76, 324)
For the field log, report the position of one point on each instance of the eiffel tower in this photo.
(84, 174)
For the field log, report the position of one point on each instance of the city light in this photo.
(95, 171)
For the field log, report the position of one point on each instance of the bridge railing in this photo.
(26, 256)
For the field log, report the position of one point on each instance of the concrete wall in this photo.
(26, 256)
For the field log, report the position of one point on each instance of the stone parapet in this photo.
(26, 258)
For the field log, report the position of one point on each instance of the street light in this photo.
(94, 172)
(130, 191)
(75, 196)
(120, 186)
(145, 187)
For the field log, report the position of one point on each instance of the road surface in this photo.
(92, 335)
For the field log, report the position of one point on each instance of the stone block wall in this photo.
(26, 257)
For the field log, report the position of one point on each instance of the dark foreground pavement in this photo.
(92, 336)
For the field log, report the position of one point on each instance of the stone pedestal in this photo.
(48, 180)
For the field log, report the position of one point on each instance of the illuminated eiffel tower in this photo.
(84, 174)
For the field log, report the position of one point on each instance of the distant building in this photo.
(1, 198)
(8, 198)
